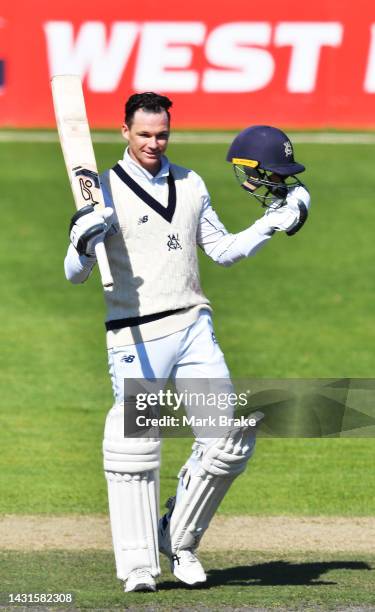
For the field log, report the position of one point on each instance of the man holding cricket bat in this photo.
(159, 320)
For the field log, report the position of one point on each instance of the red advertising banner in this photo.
(224, 65)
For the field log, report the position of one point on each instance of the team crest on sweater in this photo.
(174, 242)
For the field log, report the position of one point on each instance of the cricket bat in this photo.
(79, 156)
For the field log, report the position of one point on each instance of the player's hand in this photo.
(87, 227)
(289, 217)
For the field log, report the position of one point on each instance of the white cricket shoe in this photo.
(184, 564)
(140, 580)
(187, 567)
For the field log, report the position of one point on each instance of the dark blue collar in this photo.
(165, 212)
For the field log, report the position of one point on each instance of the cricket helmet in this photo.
(263, 161)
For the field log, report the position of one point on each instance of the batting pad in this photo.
(131, 468)
(203, 482)
(127, 455)
(134, 519)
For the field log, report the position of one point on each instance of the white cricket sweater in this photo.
(153, 255)
(220, 245)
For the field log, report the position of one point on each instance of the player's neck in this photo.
(152, 168)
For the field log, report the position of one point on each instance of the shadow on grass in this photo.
(274, 573)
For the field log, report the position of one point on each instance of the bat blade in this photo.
(79, 156)
(75, 139)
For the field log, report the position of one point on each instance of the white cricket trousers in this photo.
(187, 354)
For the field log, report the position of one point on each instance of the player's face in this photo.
(148, 138)
(252, 175)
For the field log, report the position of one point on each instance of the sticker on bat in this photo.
(86, 184)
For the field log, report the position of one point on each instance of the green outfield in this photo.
(303, 307)
(235, 582)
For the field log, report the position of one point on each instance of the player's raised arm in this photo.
(263, 162)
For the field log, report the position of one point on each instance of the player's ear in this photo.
(125, 131)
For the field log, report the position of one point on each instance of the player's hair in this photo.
(147, 101)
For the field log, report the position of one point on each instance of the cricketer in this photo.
(159, 322)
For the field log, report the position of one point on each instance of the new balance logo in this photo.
(142, 219)
(128, 358)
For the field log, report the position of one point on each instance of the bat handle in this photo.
(105, 272)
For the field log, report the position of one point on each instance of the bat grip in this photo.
(105, 272)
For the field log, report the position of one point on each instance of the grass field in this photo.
(303, 307)
(238, 581)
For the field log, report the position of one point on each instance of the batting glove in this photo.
(87, 227)
(288, 217)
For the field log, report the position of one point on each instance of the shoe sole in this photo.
(190, 583)
(142, 587)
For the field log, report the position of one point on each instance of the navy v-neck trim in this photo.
(165, 212)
